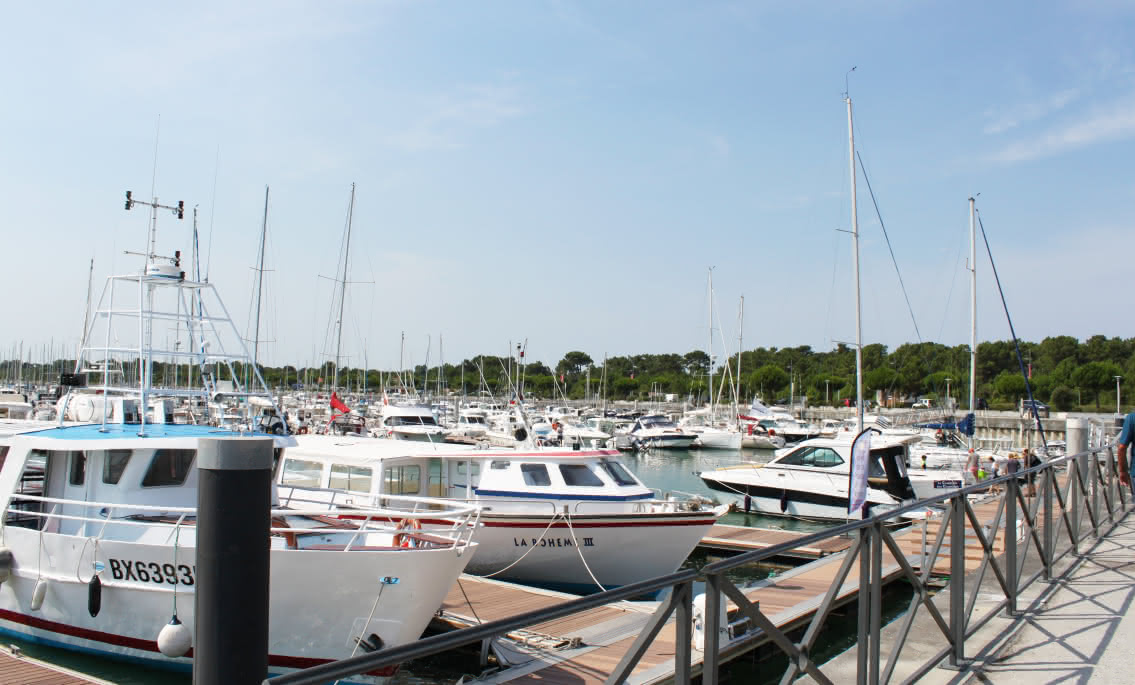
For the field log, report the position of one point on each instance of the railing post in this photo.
(876, 601)
(712, 629)
(864, 605)
(1094, 481)
(683, 632)
(957, 581)
(1049, 483)
(1073, 502)
(1011, 488)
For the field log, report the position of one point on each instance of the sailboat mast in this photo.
(260, 281)
(709, 347)
(973, 309)
(855, 271)
(343, 285)
(740, 348)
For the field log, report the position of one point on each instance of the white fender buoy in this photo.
(6, 562)
(175, 638)
(38, 594)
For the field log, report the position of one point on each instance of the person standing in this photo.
(1126, 437)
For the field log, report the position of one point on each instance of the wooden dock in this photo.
(586, 647)
(745, 539)
(17, 668)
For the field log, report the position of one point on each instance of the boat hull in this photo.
(310, 622)
(617, 550)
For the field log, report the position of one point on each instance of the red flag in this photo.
(337, 403)
(561, 378)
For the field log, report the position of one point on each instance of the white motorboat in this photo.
(656, 430)
(811, 480)
(410, 422)
(567, 519)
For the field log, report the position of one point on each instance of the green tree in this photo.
(1095, 377)
(1009, 385)
(573, 362)
(1062, 398)
(769, 378)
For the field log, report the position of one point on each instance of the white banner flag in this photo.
(860, 465)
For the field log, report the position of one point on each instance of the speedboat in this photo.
(656, 430)
(810, 480)
(574, 520)
(410, 422)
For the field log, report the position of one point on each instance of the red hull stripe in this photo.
(278, 660)
(577, 524)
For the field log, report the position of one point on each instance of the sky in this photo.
(567, 173)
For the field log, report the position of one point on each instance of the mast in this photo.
(973, 310)
(87, 311)
(709, 347)
(343, 286)
(740, 348)
(855, 271)
(260, 281)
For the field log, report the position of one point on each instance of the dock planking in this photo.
(745, 539)
(17, 668)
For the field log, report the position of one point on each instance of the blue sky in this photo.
(567, 172)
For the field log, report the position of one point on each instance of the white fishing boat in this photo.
(95, 511)
(567, 519)
(97, 520)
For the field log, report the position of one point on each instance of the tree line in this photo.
(1062, 371)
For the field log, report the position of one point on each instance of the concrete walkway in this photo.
(1083, 632)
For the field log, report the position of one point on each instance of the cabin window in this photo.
(403, 480)
(302, 474)
(461, 468)
(353, 478)
(113, 465)
(78, 468)
(499, 465)
(617, 473)
(24, 513)
(168, 467)
(825, 457)
(535, 474)
(579, 474)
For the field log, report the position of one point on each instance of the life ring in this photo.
(403, 538)
(771, 432)
(302, 430)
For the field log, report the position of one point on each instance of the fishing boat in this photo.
(574, 520)
(98, 519)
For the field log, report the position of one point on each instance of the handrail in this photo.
(1091, 495)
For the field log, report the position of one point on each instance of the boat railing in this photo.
(362, 520)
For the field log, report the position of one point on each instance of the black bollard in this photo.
(230, 643)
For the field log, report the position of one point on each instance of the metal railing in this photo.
(1037, 517)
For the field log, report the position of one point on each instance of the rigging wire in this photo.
(891, 249)
(1013, 332)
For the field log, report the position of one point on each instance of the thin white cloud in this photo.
(1113, 122)
(1005, 119)
(453, 115)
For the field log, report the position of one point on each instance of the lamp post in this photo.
(1117, 394)
(827, 391)
(948, 392)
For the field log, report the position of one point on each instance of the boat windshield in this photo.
(617, 473)
(412, 421)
